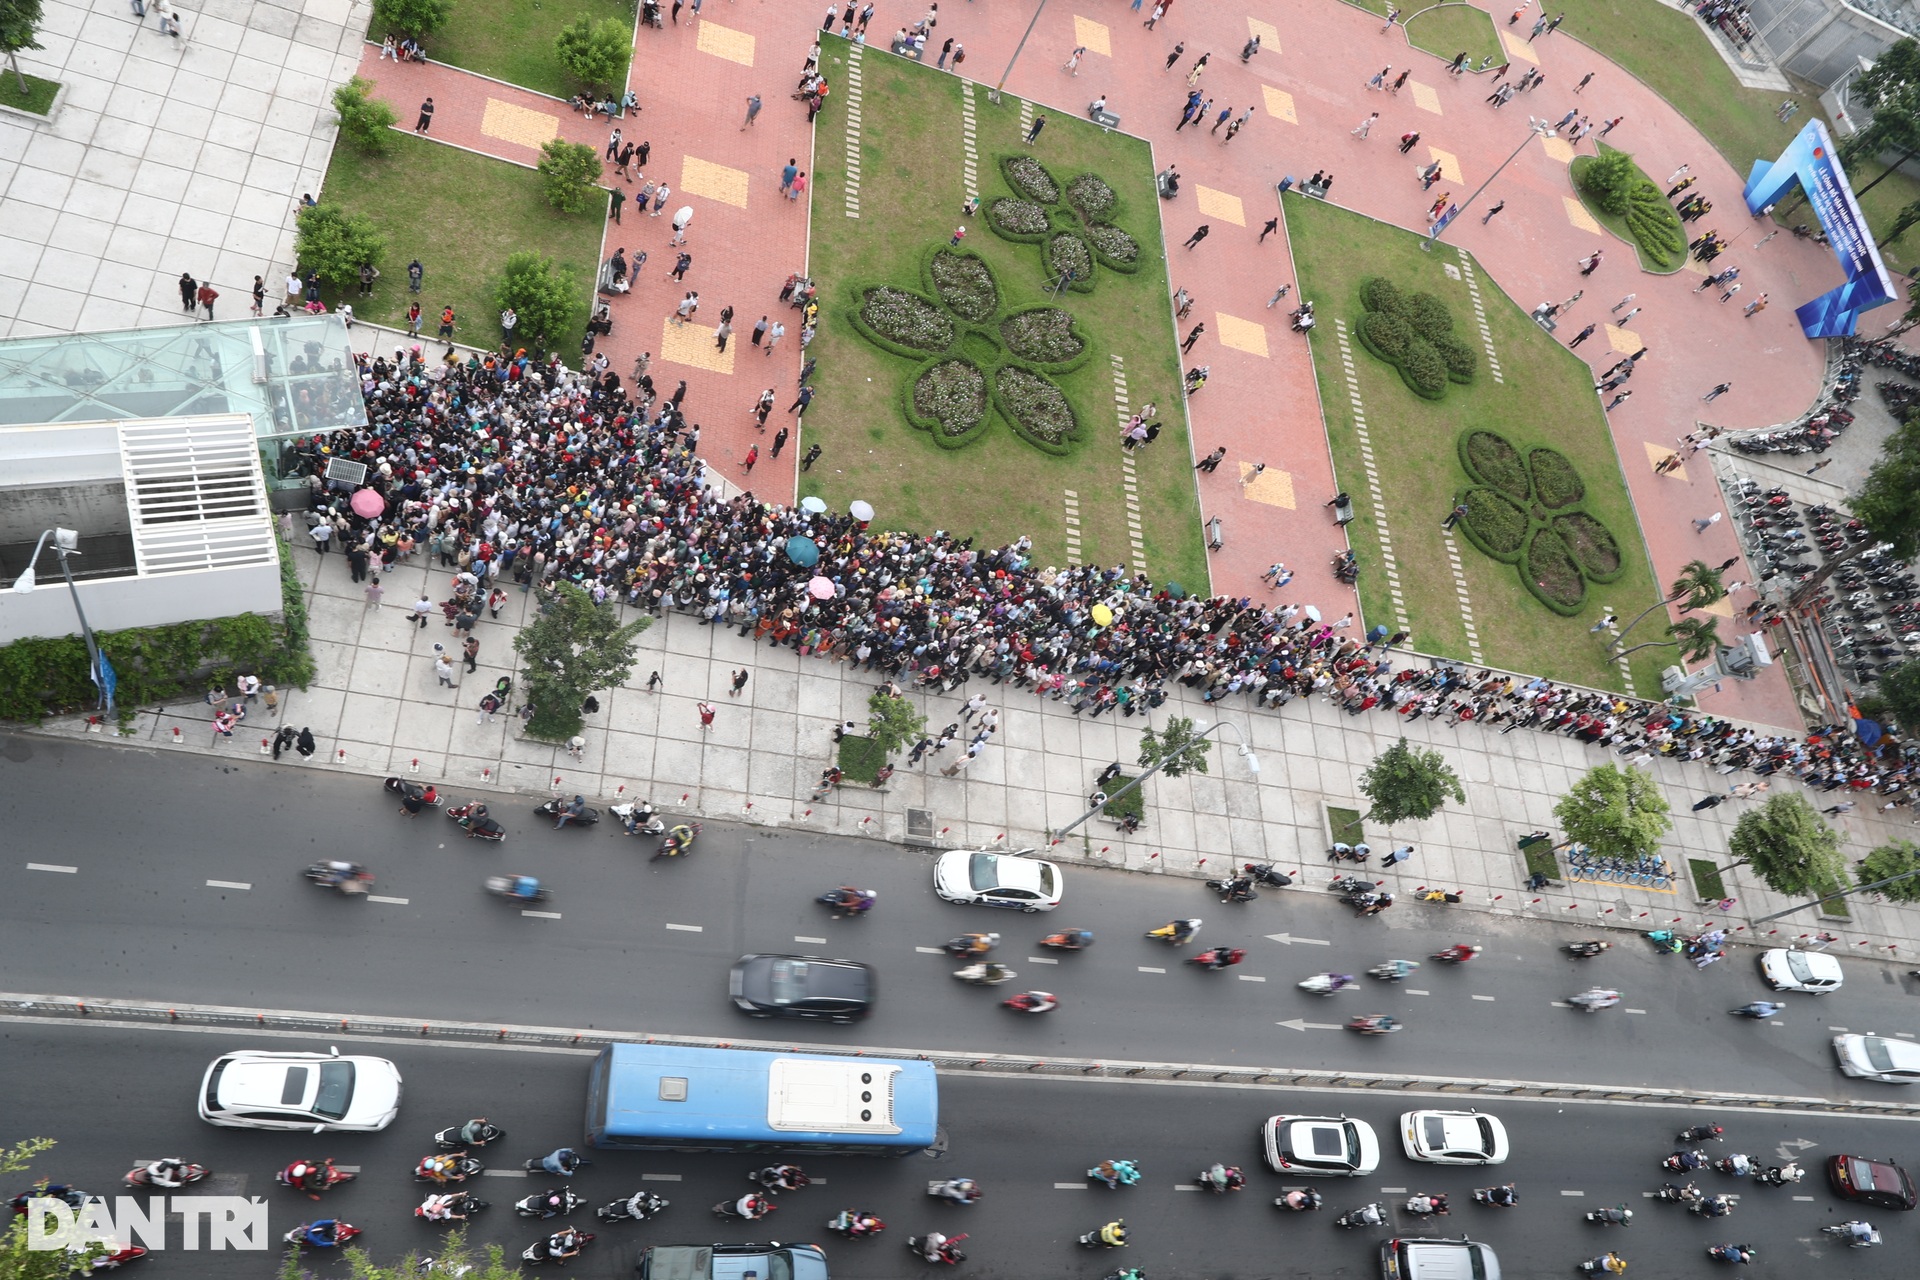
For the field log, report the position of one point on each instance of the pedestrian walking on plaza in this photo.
(1039, 123)
(426, 117)
(1718, 391)
(1498, 206)
(1273, 225)
(1365, 127)
(1211, 462)
(1582, 336)
(1703, 523)
(1202, 233)
(1453, 517)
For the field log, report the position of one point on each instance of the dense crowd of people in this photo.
(511, 471)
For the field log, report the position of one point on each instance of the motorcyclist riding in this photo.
(569, 811)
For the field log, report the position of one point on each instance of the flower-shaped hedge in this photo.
(974, 359)
(1414, 333)
(1070, 222)
(1525, 510)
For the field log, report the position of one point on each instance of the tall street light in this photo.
(66, 542)
(993, 95)
(1246, 753)
(1537, 129)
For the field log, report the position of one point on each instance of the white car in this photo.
(994, 879)
(1878, 1058)
(1325, 1146)
(1454, 1137)
(317, 1092)
(1814, 972)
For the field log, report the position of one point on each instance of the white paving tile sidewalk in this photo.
(166, 156)
(377, 709)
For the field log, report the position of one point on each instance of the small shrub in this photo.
(1555, 482)
(906, 319)
(1091, 196)
(1044, 336)
(964, 283)
(1029, 177)
(1496, 522)
(1489, 459)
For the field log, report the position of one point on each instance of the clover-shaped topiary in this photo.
(1524, 510)
(974, 359)
(1414, 333)
(1070, 222)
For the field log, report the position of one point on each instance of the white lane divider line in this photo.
(1081, 1186)
(228, 884)
(659, 1177)
(818, 942)
(688, 928)
(504, 1173)
(1488, 999)
(1249, 977)
(1147, 968)
(930, 951)
(392, 902)
(1041, 960)
(542, 915)
(48, 866)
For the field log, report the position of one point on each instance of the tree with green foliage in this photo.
(333, 242)
(595, 53)
(1177, 749)
(1615, 812)
(1697, 639)
(411, 17)
(1887, 502)
(572, 174)
(1788, 846)
(1610, 178)
(365, 122)
(1698, 585)
(17, 1261)
(544, 297)
(573, 648)
(19, 30)
(1406, 782)
(893, 722)
(1899, 858)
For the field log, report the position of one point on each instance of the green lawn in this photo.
(998, 487)
(1447, 29)
(461, 214)
(38, 97)
(1546, 399)
(512, 40)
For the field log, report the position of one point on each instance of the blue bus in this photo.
(656, 1097)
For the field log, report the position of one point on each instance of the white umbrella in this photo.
(1312, 612)
(860, 510)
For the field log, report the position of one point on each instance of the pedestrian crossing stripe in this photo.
(1577, 214)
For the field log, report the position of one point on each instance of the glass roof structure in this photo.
(294, 375)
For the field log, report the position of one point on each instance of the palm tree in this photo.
(1697, 639)
(1698, 584)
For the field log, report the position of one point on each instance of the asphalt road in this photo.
(182, 883)
(123, 1094)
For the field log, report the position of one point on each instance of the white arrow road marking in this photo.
(48, 866)
(1298, 1024)
(1288, 940)
(228, 884)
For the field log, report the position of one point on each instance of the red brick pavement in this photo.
(1308, 88)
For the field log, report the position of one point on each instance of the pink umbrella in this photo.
(820, 588)
(368, 504)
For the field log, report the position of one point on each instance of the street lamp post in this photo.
(1246, 753)
(1536, 129)
(66, 542)
(993, 95)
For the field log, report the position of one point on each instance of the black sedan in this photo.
(1880, 1183)
(801, 987)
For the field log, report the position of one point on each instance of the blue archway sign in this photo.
(1810, 162)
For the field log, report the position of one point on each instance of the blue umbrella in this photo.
(804, 552)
